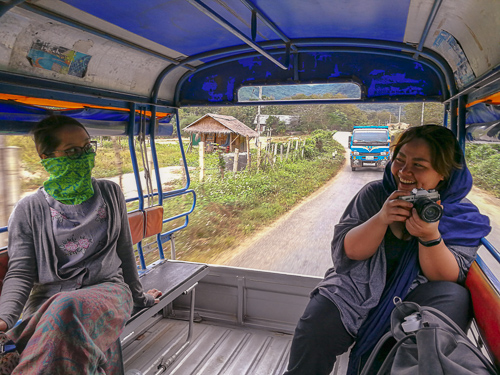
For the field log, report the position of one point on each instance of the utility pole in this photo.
(422, 118)
(3, 191)
(257, 129)
(10, 183)
(399, 118)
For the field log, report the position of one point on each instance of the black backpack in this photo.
(427, 343)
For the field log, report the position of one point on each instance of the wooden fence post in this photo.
(236, 159)
(222, 165)
(249, 155)
(259, 149)
(275, 152)
(281, 152)
(287, 150)
(201, 145)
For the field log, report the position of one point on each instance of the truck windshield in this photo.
(370, 136)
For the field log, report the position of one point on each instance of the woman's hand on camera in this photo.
(155, 293)
(395, 209)
(422, 229)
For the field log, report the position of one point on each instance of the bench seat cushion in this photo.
(486, 304)
(136, 223)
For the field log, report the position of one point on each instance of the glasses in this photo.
(77, 152)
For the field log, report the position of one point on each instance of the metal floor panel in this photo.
(214, 349)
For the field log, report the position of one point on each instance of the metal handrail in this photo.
(493, 251)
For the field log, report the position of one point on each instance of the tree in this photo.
(245, 114)
(272, 123)
(338, 120)
(433, 113)
(353, 114)
(281, 128)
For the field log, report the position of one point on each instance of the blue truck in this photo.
(369, 146)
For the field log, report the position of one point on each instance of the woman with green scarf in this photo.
(72, 271)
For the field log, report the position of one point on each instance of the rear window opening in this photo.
(324, 91)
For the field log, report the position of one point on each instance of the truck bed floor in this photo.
(214, 349)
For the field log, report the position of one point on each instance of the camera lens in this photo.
(428, 210)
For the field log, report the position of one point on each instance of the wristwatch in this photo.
(431, 242)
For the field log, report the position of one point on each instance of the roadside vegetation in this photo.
(483, 161)
(230, 208)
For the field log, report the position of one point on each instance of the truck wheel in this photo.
(353, 168)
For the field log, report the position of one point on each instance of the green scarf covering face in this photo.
(70, 179)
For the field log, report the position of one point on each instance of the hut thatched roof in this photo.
(213, 123)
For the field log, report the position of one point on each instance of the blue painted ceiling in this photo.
(178, 25)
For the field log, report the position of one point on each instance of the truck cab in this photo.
(369, 146)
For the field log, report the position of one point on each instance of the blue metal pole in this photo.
(430, 19)
(233, 30)
(490, 78)
(133, 157)
(487, 244)
(152, 129)
(445, 115)
(461, 122)
(166, 236)
(267, 22)
(184, 161)
(454, 117)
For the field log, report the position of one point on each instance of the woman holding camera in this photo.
(381, 249)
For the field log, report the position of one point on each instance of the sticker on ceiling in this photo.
(58, 59)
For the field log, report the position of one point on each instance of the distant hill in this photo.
(349, 90)
(393, 108)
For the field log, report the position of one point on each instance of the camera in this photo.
(425, 203)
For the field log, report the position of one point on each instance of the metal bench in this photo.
(172, 278)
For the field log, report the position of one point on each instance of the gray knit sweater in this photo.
(33, 261)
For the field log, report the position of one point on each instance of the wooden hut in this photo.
(225, 131)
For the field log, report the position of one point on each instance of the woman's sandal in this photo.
(9, 357)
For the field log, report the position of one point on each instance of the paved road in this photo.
(300, 241)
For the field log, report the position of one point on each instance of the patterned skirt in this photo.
(75, 332)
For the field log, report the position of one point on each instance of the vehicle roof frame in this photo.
(238, 52)
(430, 64)
(443, 74)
